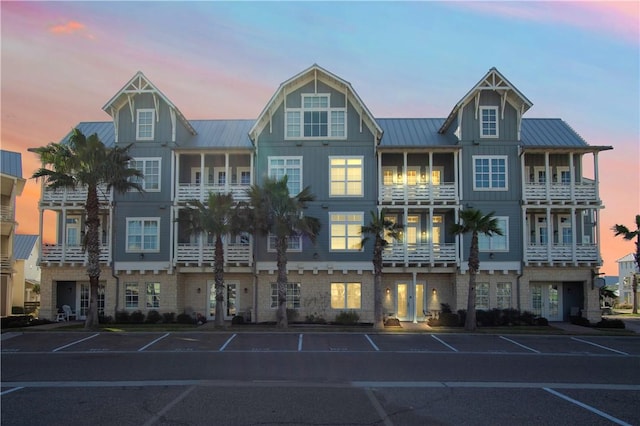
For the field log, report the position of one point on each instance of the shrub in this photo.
(169, 317)
(445, 308)
(527, 318)
(579, 321)
(292, 315)
(449, 319)
(314, 319)
(185, 318)
(153, 317)
(611, 323)
(510, 316)
(237, 319)
(136, 317)
(462, 316)
(123, 317)
(104, 319)
(541, 321)
(347, 318)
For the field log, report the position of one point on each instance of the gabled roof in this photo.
(104, 130)
(141, 84)
(495, 81)
(627, 258)
(11, 163)
(553, 133)
(414, 133)
(23, 245)
(317, 73)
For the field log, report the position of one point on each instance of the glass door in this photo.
(546, 301)
(230, 300)
(402, 301)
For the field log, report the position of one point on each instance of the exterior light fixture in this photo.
(388, 290)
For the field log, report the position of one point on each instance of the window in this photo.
(496, 242)
(290, 167)
(388, 176)
(150, 168)
(293, 243)
(130, 295)
(145, 124)
(346, 295)
(482, 296)
(153, 295)
(143, 234)
(489, 122)
(490, 173)
(346, 176)
(316, 119)
(100, 300)
(503, 295)
(345, 229)
(293, 295)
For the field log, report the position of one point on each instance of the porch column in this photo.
(574, 245)
(380, 182)
(415, 300)
(202, 177)
(549, 232)
(526, 235)
(430, 246)
(226, 173)
(63, 234)
(596, 177)
(457, 177)
(429, 176)
(572, 179)
(404, 178)
(548, 176)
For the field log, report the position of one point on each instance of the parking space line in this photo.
(599, 346)
(73, 343)
(378, 407)
(223, 347)
(377, 349)
(300, 342)
(169, 406)
(11, 390)
(151, 343)
(444, 343)
(587, 407)
(520, 344)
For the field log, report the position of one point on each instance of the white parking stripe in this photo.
(599, 346)
(169, 406)
(444, 343)
(11, 390)
(73, 343)
(587, 407)
(300, 342)
(519, 344)
(151, 343)
(223, 347)
(372, 344)
(378, 407)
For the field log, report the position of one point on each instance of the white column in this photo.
(572, 181)
(202, 177)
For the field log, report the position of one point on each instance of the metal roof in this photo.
(222, 134)
(413, 132)
(549, 132)
(23, 245)
(11, 163)
(104, 130)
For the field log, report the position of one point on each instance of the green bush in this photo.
(123, 317)
(136, 317)
(185, 318)
(104, 319)
(542, 322)
(237, 319)
(292, 315)
(579, 321)
(168, 317)
(527, 318)
(611, 323)
(153, 317)
(347, 318)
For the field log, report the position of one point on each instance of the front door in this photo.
(410, 301)
(546, 301)
(230, 300)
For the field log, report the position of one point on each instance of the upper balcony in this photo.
(562, 254)
(560, 192)
(6, 264)
(200, 191)
(60, 254)
(7, 219)
(421, 254)
(193, 254)
(73, 197)
(399, 194)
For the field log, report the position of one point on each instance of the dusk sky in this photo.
(62, 61)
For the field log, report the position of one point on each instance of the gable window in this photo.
(293, 243)
(490, 173)
(290, 167)
(345, 231)
(489, 122)
(130, 295)
(346, 295)
(316, 119)
(143, 235)
(346, 177)
(496, 242)
(293, 295)
(150, 168)
(145, 124)
(153, 295)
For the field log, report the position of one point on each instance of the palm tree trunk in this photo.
(92, 247)
(378, 320)
(474, 265)
(219, 281)
(634, 288)
(281, 253)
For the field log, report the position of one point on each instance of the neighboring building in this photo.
(11, 186)
(26, 282)
(627, 267)
(317, 130)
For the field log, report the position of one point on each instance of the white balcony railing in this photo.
(57, 253)
(418, 194)
(562, 253)
(582, 192)
(195, 191)
(71, 196)
(234, 254)
(6, 213)
(419, 253)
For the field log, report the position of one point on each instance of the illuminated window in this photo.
(345, 176)
(345, 231)
(346, 295)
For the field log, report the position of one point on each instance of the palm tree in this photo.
(85, 162)
(275, 212)
(472, 220)
(627, 234)
(216, 218)
(382, 229)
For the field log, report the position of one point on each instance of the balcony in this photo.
(444, 193)
(57, 253)
(235, 254)
(6, 264)
(562, 254)
(583, 192)
(196, 191)
(65, 196)
(420, 254)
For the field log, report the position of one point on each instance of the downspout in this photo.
(113, 263)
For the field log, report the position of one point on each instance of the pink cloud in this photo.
(71, 27)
